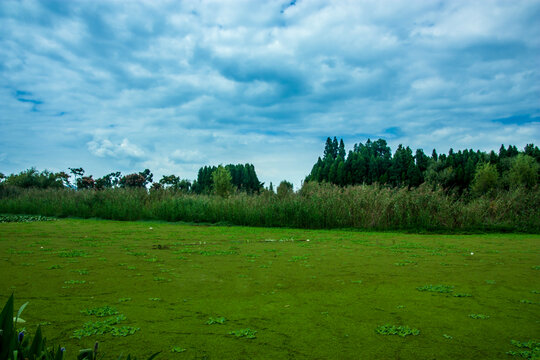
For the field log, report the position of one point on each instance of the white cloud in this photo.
(188, 156)
(106, 148)
(173, 86)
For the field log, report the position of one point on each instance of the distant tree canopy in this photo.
(284, 189)
(373, 162)
(243, 178)
(32, 178)
(222, 182)
(139, 180)
(462, 172)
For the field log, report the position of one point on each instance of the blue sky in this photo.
(176, 85)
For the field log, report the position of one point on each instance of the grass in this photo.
(322, 300)
(315, 206)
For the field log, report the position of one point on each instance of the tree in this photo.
(147, 175)
(86, 182)
(133, 181)
(77, 173)
(434, 156)
(184, 185)
(108, 181)
(222, 181)
(32, 178)
(284, 189)
(532, 151)
(169, 181)
(486, 179)
(62, 176)
(341, 149)
(328, 149)
(523, 172)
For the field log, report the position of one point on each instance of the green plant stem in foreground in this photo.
(15, 345)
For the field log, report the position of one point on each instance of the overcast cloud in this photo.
(176, 85)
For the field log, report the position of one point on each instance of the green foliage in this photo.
(462, 295)
(108, 181)
(15, 345)
(72, 253)
(523, 172)
(315, 205)
(373, 162)
(528, 350)
(105, 327)
(133, 181)
(396, 330)
(479, 316)
(222, 182)
(32, 178)
(173, 182)
(486, 179)
(74, 281)
(436, 288)
(284, 189)
(6, 218)
(177, 349)
(101, 311)
(85, 182)
(244, 333)
(243, 179)
(219, 320)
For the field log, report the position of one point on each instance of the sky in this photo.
(176, 85)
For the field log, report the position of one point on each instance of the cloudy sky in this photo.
(176, 85)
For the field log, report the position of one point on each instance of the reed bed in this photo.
(315, 206)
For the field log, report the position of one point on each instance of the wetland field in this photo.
(230, 292)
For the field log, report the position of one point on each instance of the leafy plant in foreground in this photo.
(14, 345)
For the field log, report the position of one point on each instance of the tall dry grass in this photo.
(317, 206)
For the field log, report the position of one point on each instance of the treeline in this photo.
(457, 172)
(242, 178)
(369, 188)
(211, 179)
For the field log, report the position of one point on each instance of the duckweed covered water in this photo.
(298, 294)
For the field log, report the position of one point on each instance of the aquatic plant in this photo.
(396, 330)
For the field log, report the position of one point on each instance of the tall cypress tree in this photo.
(341, 149)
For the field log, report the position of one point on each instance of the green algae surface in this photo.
(210, 292)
